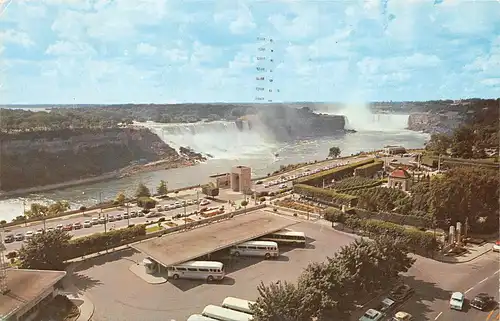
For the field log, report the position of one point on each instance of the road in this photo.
(277, 187)
(434, 282)
(100, 227)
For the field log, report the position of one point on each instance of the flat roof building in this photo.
(172, 249)
(27, 291)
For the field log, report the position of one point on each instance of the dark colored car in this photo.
(401, 292)
(481, 301)
(9, 238)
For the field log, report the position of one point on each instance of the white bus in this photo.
(223, 314)
(201, 270)
(286, 237)
(266, 249)
(199, 317)
(237, 304)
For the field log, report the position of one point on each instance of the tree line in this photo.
(478, 133)
(329, 290)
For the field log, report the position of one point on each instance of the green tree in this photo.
(210, 190)
(120, 198)
(46, 251)
(439, 143)
(334, 152)
(162, 188)
(280, 301)
(462, 142)
(36, 211)
(142, 191)
(466, 193)
(146, 202)
(327, 291)
(57, 208)
(244, 203)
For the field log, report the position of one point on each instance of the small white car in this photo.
(95, 221)
(29, 235)
(496, 246)
(87, 224)
(457, 301)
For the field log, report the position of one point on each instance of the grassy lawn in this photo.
(154, 228)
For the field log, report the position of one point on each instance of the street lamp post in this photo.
(100, 204)
(185, 217)
(128, 214)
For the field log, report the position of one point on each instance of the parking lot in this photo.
(118, 294)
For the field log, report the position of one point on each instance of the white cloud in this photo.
(146, 49)
(67, 48)
(16, 37)
(324, 50)
(239, 20)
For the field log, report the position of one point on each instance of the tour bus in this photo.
(236, 304)
(199, 317)
(223, 314)
(201, 270)
(266, 249)
(286, 237)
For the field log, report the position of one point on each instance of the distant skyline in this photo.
(173, 51)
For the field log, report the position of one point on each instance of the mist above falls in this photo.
(359, 117)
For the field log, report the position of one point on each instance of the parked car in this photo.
(133, 213)
(49, 229)
(94, 221)
(457, 301)
(102, 220)
(125, 216)
(118, 217)
(77, 225)
(87, 224)
(140, 214)
(59, 227)
(9, 238)
(28, 235)
(68, 227)
(481, 301)
(111, 218)
(19, 237)
(39, 231)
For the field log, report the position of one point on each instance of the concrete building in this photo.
(28, 290)
(394, 150)
(400, 179)
(221, 180)
(241, 179)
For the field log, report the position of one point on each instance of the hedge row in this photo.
(419, 242)
(101, 241)
(372, 185)
(412, 220)
(334, 173)
(369, 170)
(327, 196)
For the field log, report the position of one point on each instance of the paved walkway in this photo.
(140, 270)
(84, 304)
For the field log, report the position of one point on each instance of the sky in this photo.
(173, 51)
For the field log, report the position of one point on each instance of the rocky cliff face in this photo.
(49, 157)
(433, 122)
(291, 123)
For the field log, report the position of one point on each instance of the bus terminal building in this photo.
(172, 249)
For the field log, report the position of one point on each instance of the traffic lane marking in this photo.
(490, 318)
(438, 315)
(482, 281)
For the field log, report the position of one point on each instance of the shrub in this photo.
(11, 255)
(101, 241)
(354, 182)
(262, 199)
(369, 170)
(379, 198)
(146, 202)
(419, 242)
(325, 195)
(335, 173)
